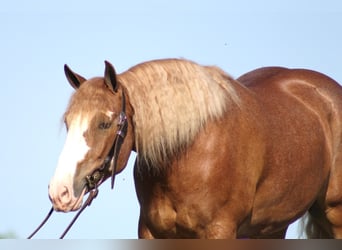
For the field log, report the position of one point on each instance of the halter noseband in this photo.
(94, 180)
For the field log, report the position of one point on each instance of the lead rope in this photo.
(92, 195)
(41, 224)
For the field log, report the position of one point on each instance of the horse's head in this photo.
(97, 118)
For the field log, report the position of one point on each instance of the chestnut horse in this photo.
(216, 157)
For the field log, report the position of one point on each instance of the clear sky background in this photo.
(39, 37)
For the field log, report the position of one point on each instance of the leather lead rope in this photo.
(41, 224)
(92, 195)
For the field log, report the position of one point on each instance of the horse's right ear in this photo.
(74, 79)
(110, 77)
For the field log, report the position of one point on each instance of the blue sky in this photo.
(39, 37)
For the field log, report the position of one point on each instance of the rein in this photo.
(97, 177)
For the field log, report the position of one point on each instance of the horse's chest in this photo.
(161, 215)
(170, 222)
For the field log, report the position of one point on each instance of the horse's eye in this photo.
(104, 125)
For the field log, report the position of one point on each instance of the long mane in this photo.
(172, 101)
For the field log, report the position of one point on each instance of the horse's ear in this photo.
(110, 77)
(74, 79)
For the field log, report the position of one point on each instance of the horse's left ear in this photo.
(110, 77)
(74, 79)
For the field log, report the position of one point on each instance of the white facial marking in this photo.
(109, 114)
(74, 151)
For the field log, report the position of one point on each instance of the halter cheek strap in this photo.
(119, 139)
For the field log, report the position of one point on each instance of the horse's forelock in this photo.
(92, 97)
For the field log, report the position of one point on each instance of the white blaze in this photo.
(74, 151)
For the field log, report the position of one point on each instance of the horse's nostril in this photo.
(65, 196)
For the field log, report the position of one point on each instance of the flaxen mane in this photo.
(172, 100)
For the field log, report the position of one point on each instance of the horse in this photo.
(217, 157)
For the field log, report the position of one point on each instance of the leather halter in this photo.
(97, 177)
(94, 180)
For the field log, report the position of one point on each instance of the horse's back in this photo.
(308, 91)
(302, 111)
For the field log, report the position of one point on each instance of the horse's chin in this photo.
(79, 201)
